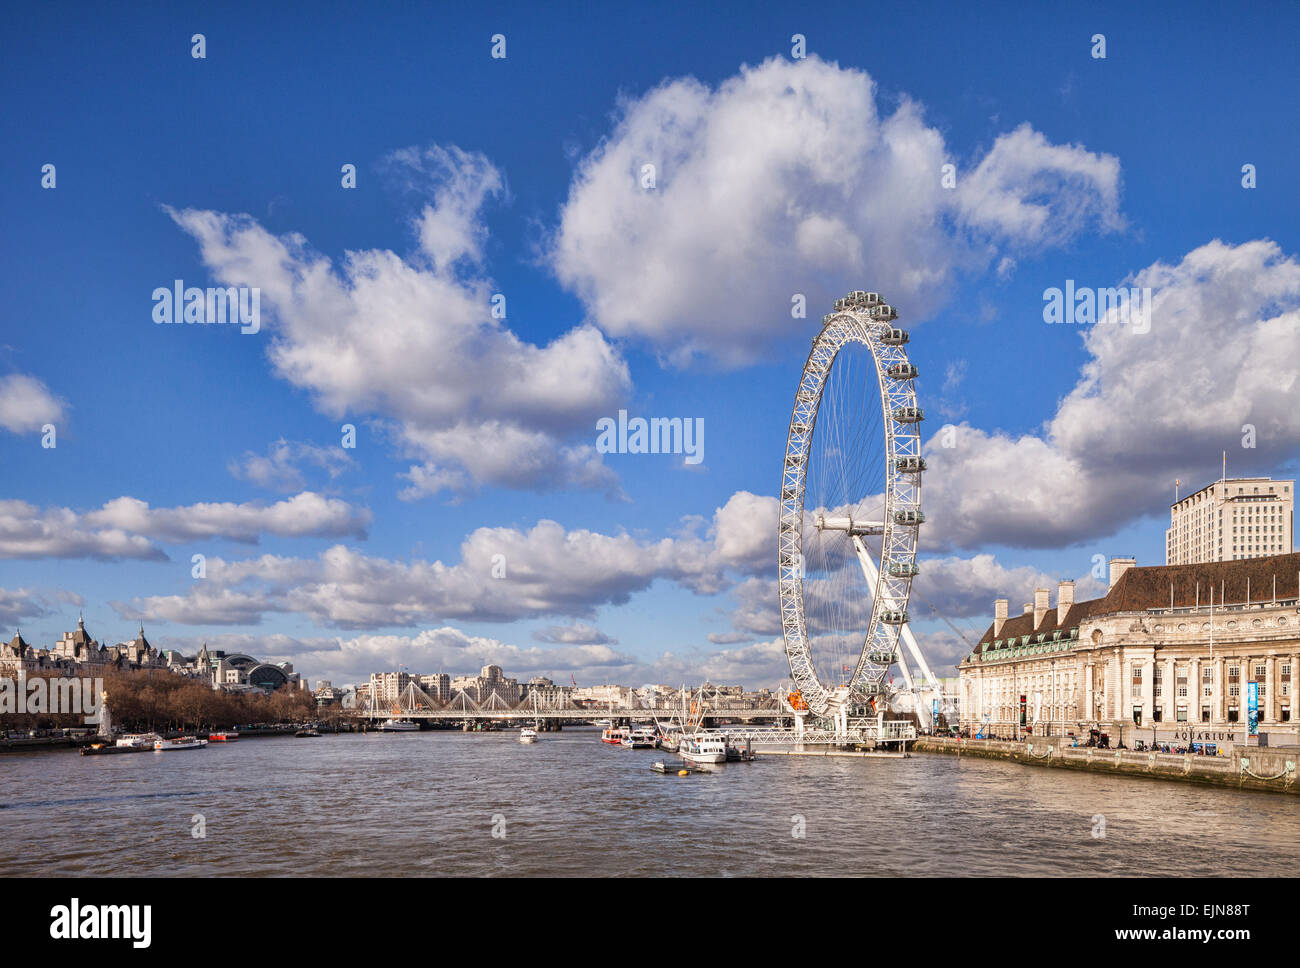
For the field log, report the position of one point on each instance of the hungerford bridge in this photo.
(772, 722)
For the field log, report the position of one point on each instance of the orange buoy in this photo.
(683, 772)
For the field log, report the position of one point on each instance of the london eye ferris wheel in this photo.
(851, 513)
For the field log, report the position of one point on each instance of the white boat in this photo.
(604, 723)
(639, 738)
(702, 748)
(670, 737)
(138, 741)
(528, 735)
(398, 726)
(180, 743)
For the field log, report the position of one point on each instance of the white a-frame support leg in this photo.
(923, 712)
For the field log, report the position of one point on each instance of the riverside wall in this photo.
(1247, 768)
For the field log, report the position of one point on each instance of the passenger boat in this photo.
(603, 723)
(229, 736)
(180, 743)
(305, 734)
(639, 739)
(138, 741)
(702, 748)
(613, 735)
(398, 726)
(528, 735)
(669, 738)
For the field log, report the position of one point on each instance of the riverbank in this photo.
(1247, 768)
(33, 744)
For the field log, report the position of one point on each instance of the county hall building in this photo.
(1167, 655)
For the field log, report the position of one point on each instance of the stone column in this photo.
(1193, 692)
(1149, 693)
(1220, 712)
(1089, 706)
(1171, 692)
(1270, 699)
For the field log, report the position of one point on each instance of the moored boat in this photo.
(528, 735)
(639, 739)
(228, 736)
(398, 726)
(180, 743)
(669, 738)
(305, 733)
(702, 748)
(613, 735)
(138, 741)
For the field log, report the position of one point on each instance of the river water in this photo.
(449, 803)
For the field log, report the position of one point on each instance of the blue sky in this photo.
(476, 175)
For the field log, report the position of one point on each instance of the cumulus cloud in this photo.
(1219, 355)
(413, 340)
(785, 179)
(281, 467)
(454, 651)
(21, 603)
(27, 531)
(579, 633)
(504, 574)
(26, 404)
(127, 527)
(305, 515)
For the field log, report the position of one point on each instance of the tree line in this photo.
(159, 700)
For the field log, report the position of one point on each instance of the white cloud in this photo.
(579, 633)
(1147, 407)
(545, 570)
(305, 515)
(27, 531)
(413, 340)
(786, 179)
(26, 404)
(281, 467)
(127, 527)
(456, 652)
(18, 604)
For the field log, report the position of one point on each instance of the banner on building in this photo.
(1252, 708)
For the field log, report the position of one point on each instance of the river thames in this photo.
(448, 803)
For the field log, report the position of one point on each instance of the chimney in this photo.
(1040, 605)
(1064, 599)
(1029, 608)
(1118, 566)
(999, 615)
